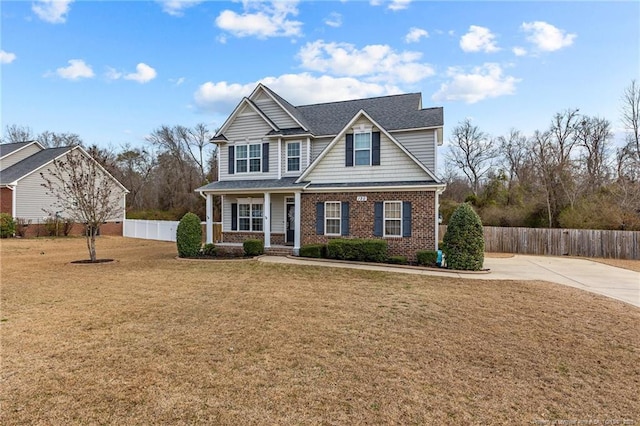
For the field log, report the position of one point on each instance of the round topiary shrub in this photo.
(189, 236)
(463, 243)
(7, 225)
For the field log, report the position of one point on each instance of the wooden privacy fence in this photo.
(561, 242)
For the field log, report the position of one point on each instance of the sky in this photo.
(113, 71)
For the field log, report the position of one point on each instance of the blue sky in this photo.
(113, 71)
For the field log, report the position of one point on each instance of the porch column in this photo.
(297, 210)
(209, 217)
(266, 213)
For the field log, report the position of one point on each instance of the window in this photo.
(293, 156)
(250, 217)
(362, 149)
(332, 217)
(248, 158)
(393, 218)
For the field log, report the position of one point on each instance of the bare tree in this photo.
(471, 151)
(14, 133)
(54, 140)
(631, 114)
(83, 193)
(134, 169)
(593, 134)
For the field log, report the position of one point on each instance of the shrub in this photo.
(314, 250)
(358, 250)
(209, 249)
(427, 258)
(464, 240)
(189, 236)
(55, 226)
(398, 260)
(7, 225)
(253, 247)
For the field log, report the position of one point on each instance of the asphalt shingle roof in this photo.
(256, 185)
(393, 112)
(30, 164)
(8, 148)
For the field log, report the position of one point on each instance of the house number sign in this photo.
(361, 198)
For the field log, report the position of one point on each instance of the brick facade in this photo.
(39, 230)
(6, 200)
(361, 220)
(240, 237)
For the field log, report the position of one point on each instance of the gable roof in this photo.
(31, 164)
(344, 130)
(34, 162)
(9, 148)
(393, 112)
(219, 137)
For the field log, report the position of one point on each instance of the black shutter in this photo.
(232, 159)
(265, 157)
(234, 216)
(344, 216)
(320, 218)
(406, 218)
(375, 148)
(378, 218)
(348, 152)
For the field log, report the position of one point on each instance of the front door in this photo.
(291, 223)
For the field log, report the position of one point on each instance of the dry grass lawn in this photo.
(155, 340)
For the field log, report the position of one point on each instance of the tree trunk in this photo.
(90, 233)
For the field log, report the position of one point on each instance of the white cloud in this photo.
(545, 37)
(486, 81)
(177, 7)
(415, 34)
(298, 89)
(144, 74)
(399, 4)
(113, 74)
(334, 20)
(7, 57)
(177, 81)
(52, 11)
(262, 20)
(373, 62)
(76, 70)
(519, 51)
(478, 39)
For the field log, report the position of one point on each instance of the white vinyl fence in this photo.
(163, 230)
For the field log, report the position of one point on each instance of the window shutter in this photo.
(320, 218)
(348, 157)
(406, 218)
(344, 216)
(265, 157)
(232, 159)
(378, 218)
(234, 216)
(375, 148)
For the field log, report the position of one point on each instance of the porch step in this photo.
(278, 251)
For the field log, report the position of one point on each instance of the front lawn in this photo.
(153, 339)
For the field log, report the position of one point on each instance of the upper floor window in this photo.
(362, 149)
(248, 158)
(293, 156)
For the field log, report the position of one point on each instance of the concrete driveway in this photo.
(616, 283)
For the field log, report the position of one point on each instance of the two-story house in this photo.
(295, 175)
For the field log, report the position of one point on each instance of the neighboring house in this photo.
(22, 194)
(295, 175)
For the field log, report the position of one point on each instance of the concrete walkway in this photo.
(617, 283)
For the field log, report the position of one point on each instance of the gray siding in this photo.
(394, 166)
(318, 145)
(19, 155)
(277, 211)
(421, 144)
(276, 114)
(252, 127)
(33, 203)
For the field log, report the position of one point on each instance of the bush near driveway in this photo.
(464, 240)
(189, 236)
